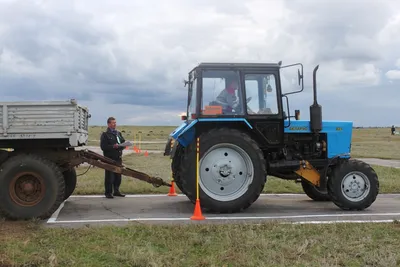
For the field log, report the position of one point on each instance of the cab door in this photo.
(264, 109)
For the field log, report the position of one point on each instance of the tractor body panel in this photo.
(185, 133)
(339, 135)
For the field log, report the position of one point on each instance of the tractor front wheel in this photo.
(232, 171)
(353, 185)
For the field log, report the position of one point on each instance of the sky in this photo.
(127, 59)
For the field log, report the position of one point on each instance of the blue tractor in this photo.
(237, 110)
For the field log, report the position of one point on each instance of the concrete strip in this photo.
(290, 208)
(382, 162)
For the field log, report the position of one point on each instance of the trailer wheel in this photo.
(313, 192)
(353, 185)
(30, 187)
(70, 182)
(231, 169)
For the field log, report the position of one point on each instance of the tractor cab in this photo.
(246, 92)
(234, 90)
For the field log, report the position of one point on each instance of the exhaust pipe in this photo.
(315, 108)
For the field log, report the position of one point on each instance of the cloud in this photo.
(393, 74)
(128, 59)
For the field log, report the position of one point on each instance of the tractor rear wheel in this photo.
(232, 171)
(30, 187)
(353, 185)
(175, 167)
(313, 192)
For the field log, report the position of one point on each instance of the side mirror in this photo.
(183, 117)
(297, 114)
(299, 76)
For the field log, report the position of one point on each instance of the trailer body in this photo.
(41, 147)
(47, 123)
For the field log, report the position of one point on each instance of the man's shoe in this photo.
(118, 194)
(109, 196)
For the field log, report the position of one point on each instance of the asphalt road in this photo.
(79, 211)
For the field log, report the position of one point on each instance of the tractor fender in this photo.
(185, 134)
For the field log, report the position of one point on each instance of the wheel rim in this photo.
(226, 171)
(27, 189)
(355, 186)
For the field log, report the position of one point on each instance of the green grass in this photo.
(242, 245)
(375, 143)
(157, 165)
(133, 132)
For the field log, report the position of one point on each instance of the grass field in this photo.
(202, 245)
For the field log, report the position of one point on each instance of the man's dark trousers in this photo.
(111, 180)
(108, 141)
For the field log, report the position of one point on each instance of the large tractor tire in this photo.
(70, 180)
(313, 192)
(353, 185)
(232, 171)
(30, 187)
(175, 167)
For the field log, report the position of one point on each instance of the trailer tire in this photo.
(70, 180)
(20, 175)
(312, 192)
(242, 148)
(353, 185)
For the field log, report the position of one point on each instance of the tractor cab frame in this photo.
(235, 91)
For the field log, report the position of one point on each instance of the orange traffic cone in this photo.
(172, 192)
(197, 215)
(146, 153)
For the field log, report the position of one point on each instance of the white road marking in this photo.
(182, 195)
(343, 221)
(165, 195)
(229, 218)
(54, 216)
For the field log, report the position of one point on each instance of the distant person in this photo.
(393, 130)
(109, 144)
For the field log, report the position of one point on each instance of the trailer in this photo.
(41, 145)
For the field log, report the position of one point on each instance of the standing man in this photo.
(109, 144)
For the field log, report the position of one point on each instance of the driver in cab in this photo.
(228, 98)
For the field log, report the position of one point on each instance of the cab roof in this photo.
(239, 65)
